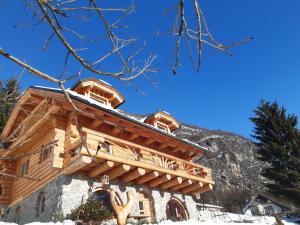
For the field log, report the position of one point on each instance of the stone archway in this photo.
(176, 210)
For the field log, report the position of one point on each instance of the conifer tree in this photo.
(9, 94)
(278, 141)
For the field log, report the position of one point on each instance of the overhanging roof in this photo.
(115, 112)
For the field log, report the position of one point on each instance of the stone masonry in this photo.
(67, 192)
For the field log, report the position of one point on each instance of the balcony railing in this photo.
(138, 155)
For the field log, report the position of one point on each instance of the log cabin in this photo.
(58, 148)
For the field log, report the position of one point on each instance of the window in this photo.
(105, 146)
(24, 168)
(40, 204)
(142, 208)
(2, 211)
(17, 215)
(45, 153)
(162, 126)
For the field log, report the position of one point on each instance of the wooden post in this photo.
(122, 211)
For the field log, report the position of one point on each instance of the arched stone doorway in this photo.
(146, 206)
(175, 210)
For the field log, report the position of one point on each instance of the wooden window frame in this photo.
(142, 207)
(24, 168)
(163, 127)
(45, 153)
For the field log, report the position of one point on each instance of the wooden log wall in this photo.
(6, 182)
(40, 173)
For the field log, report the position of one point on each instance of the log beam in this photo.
(185, 183)
(96, 123)
(175, 181)
(148, 141)
(77, 164)
(116, 131)
(160, 180)
(118, 171)
(101, 169)
(192, 187)
(132, 136)
(206, 188)
(133, 175)
(147, 177)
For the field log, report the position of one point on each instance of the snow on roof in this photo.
(132, 118)
(166, 113)
(105, 82)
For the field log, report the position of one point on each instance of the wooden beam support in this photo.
(116, 131)
(96, 123)
(14, 114)
(147, 177)
(175, 181)
(118, 171)
(101, 169)
(185, 183)
(144, 165)
(160, 180)
(133, 175)
(148, 141)
(77, 164)
(206, 188)
(192, 187)
(132, 136)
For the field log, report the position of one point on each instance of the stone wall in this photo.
(68, 192)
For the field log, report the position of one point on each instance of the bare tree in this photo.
(65, 20)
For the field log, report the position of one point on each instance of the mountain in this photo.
(231, 158)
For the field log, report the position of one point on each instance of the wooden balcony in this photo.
(133, 163)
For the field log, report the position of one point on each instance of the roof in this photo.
(89, 101)
(120, 98)
(264, 196)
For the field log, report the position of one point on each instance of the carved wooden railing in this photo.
(134, 152)
(30, 120)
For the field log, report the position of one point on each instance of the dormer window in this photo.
(162, 127)
(162, 121)
(100, 91)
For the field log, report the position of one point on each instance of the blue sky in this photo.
(227, 89)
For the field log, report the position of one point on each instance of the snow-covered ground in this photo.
(207, 218)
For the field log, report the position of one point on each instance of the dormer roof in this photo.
(100, 91)
(163, 121)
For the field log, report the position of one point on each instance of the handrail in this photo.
(150, 156)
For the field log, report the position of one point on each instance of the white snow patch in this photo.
(166, 113)
(105, 82)
(205, 219)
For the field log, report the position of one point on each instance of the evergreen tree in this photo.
(278, 141)
(9, 95)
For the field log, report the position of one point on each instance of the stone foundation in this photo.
(67, 192)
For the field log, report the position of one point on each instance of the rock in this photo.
(231, 157)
